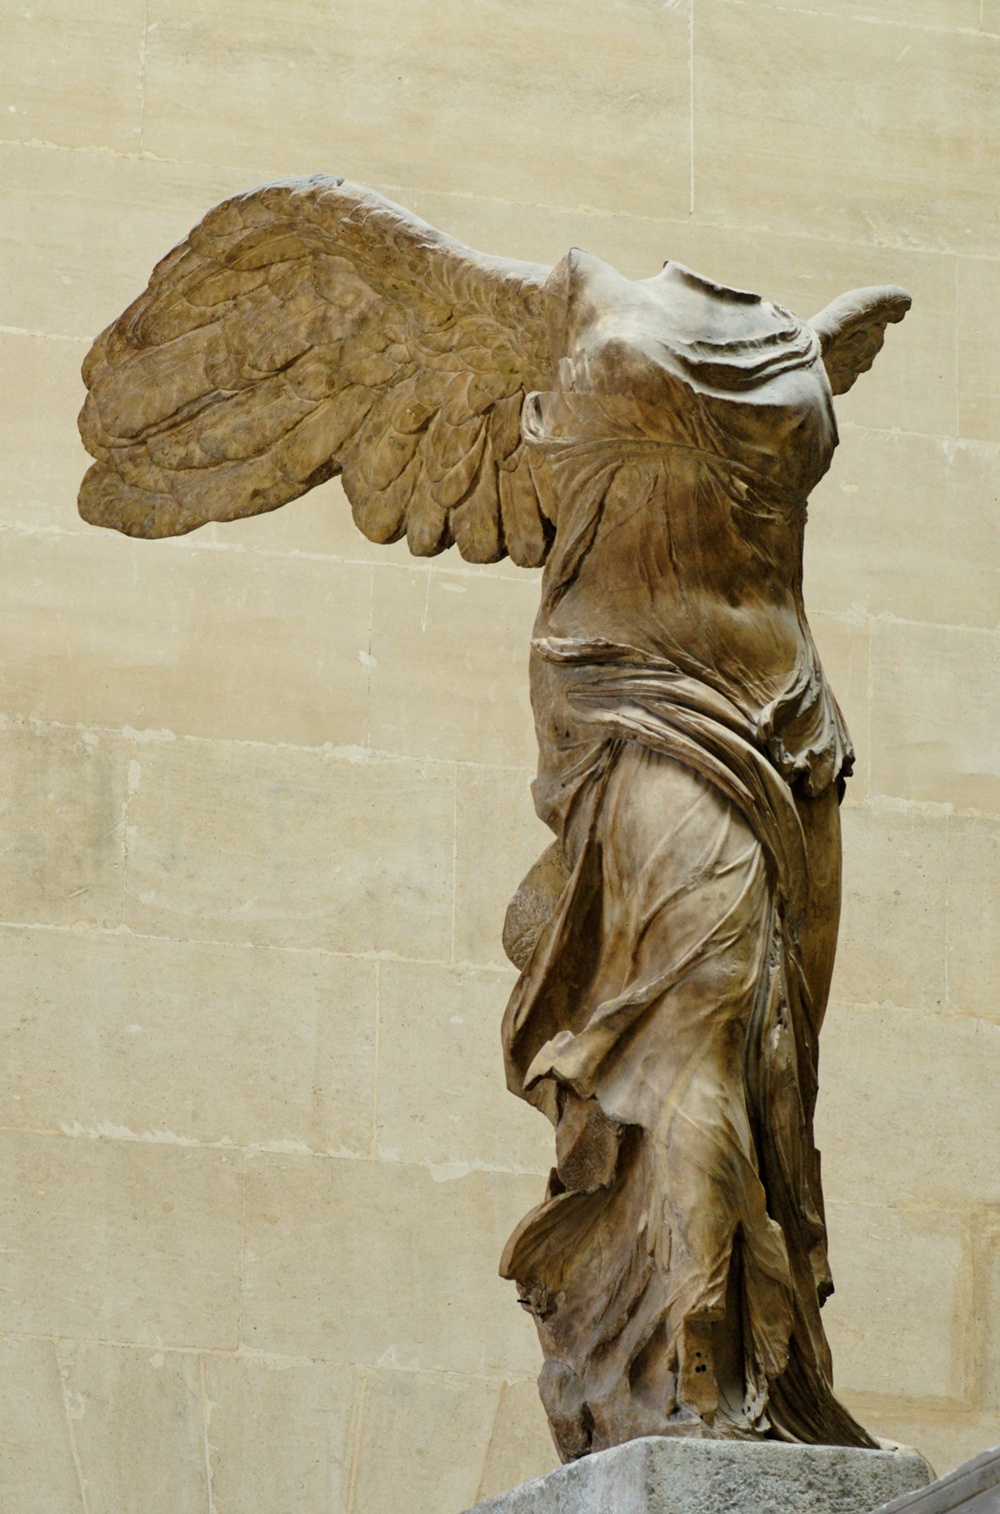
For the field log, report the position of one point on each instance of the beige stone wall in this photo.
(265, 788)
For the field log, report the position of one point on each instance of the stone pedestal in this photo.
(973, 1488)
(658, 1475)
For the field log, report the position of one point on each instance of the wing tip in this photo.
(106, 500)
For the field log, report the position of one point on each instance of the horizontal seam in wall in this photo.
(867, 620)
(596, 212)
(946, 1013)
(265, 1358)
(949, 440)
(48, 336)
(842, 16)
(10, 720)
(439, 1172)
(454, 569)
(444, 573)
(880, 1402)
(961, 1212)
(124, 932)
(352, 756)
(927, 806)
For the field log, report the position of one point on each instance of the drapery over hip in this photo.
(665, 1026)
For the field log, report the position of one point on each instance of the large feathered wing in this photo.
(311, 328)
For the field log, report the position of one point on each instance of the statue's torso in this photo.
(673, 571)
(684, 431)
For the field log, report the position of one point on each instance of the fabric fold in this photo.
(676, 1013)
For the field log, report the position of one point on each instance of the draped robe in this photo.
(692, 759)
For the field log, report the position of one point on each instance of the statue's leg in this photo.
(821, 824)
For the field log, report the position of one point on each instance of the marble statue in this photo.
(652, 444)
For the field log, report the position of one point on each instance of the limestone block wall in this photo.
(265, 789)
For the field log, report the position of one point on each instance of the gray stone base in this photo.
(973, 1488)
(660, 1475)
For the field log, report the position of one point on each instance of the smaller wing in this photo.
(851, 330)
(310, 328)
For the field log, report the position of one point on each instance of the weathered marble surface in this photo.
(652, 444)
(685, 1476)
(223, 645)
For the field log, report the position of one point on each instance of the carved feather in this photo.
(310, 328)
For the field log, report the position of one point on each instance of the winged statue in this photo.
(651, 444)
